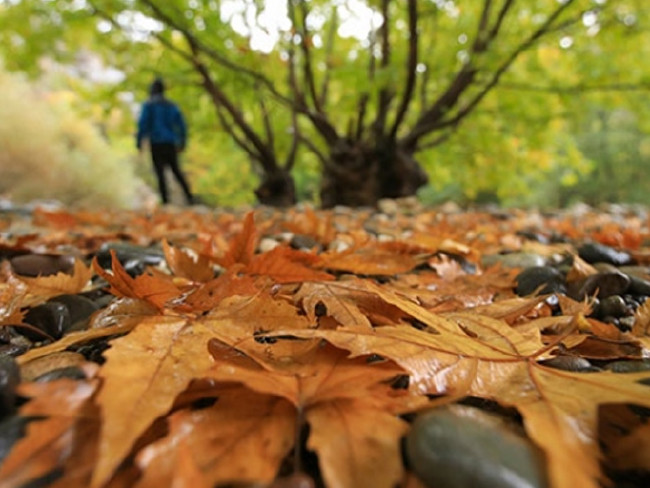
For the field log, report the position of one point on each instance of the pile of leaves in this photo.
(243, 362)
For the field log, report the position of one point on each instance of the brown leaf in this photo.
(242, 247)
(155, 290)
(144, 373)
(195, 268)
(286, 265)
(47, 444)
(244, 436)
(61, 283)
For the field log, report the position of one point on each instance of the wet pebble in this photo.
(611, 306)
(11, 430)
(514, 260)
(570, 363)
(9, 380)
(79, 308)
(604, 284)
(37, 367)
(69, 372)
(633, 366)
(593, 252)
(458, 447)
(305, 243)
(133, 258)
(41, 264)
(546, 279)
(53, 318)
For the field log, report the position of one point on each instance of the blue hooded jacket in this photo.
(161, 122)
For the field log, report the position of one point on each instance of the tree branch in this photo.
(411, 68)
(385, 95)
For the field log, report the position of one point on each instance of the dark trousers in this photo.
(166, 156)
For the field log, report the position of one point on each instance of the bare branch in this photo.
(579, 88)
(306, 63)
(411, 68)
(385, 95)
(434, 118)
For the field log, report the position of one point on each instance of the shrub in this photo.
(47, 151)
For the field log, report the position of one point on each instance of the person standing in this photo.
(162, 124)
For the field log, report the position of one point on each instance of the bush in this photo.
(49, 152)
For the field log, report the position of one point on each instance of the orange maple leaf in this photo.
(155, 290)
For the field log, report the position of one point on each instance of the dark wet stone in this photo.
(11, 429)
(129, 255)
(531, 235)
(638, 286)
(53, 318)
(634, 366)
(612, 306)
(605, 284)
(12, 350)
(9, 380)
(460, 447)
(593, 252)
(70, 372)
(570, 363)
(41, 264)
(304, 242)
(79, 307)
(546, 279)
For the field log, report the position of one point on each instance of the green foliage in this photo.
(534, 140)
(49, 152)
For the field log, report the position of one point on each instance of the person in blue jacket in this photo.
(162, 123)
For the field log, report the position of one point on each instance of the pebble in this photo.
(33, 265)
(546, 279)
(570, 363)
(11, 429)
(79, 308)
(459, 447)
(53, 318)
(35, 368)
(69, 372)
(513, 260)
(9, 380)
(593, 252)
(131, 256)
(611, 306)
(305, 243)
(633, 366)
(604, 284)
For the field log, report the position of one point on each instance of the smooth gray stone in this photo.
(461, 447)
(514, 260)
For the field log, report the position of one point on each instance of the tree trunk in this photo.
(360, 175)
(277, 189)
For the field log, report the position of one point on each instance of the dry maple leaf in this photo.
(144, 373)
(156, 290)
(485, 357)
(349, 407)
(242, 247)
(195, 268)
(64, 410)
(62, 283)
(285, 265)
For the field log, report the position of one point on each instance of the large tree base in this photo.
(277, 190)
(356, 177)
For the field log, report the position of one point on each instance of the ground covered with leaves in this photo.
(300, 348)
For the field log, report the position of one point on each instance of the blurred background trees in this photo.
(522, 103)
